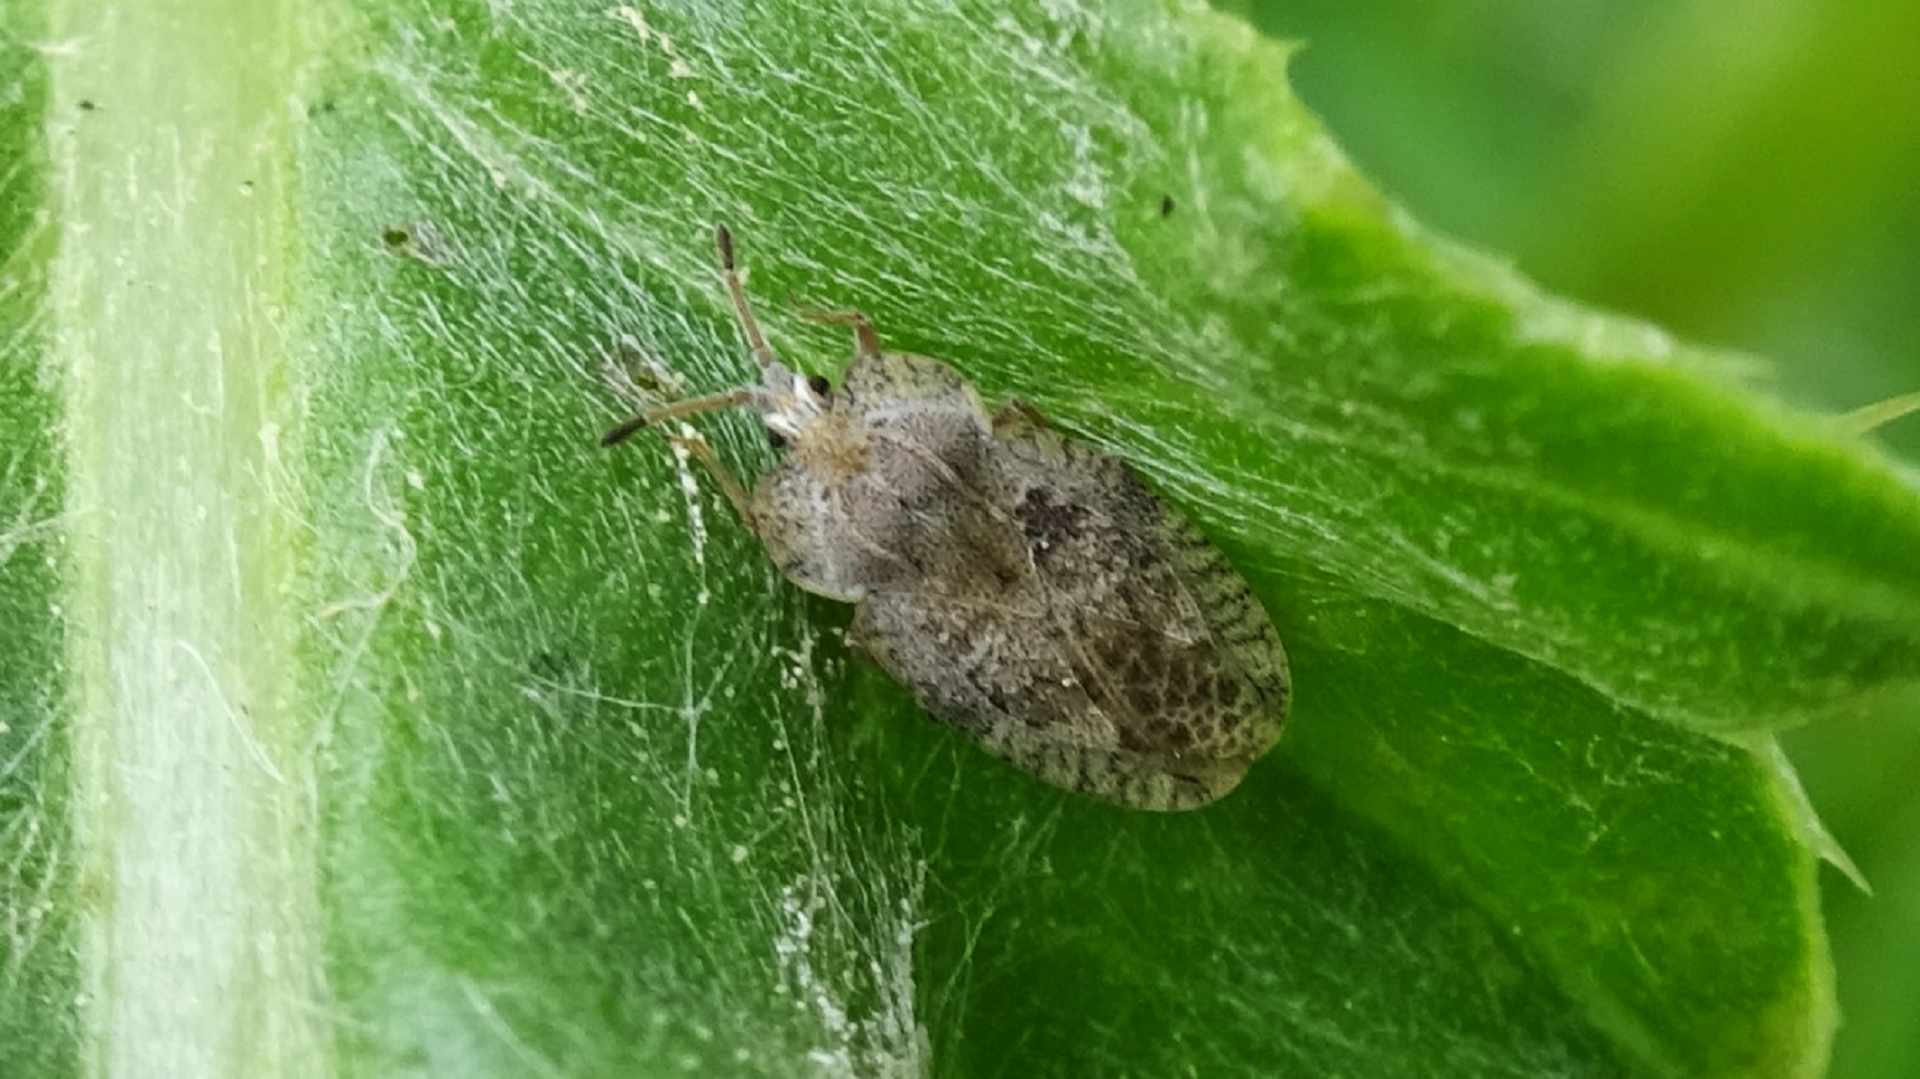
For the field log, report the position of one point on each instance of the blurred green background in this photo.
(1743, 172)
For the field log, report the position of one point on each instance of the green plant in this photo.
(370, 718)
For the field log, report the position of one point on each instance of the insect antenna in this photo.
(729, 399)
(758, 342)
(623, 432)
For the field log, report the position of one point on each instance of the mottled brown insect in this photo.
(1028, 590)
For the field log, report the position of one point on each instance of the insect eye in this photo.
(818, 384)
(775, 439)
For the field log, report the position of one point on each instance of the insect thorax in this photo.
(890, 498)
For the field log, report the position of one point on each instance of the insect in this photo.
(1028, 590)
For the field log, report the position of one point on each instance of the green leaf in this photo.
(38, 902)
(398, 728)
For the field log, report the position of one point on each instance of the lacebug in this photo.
(1030, 591)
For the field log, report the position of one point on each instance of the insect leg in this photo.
(729, 399)
(755, 339)
(859, 639)
(866, 343)
(1016, 411)
(625, 370)
(698, 449)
